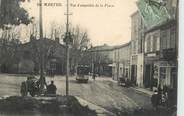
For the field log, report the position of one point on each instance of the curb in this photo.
(142, 91)
(99, 110)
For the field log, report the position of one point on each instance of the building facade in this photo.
(121, 61)
(137, 46)
(54, 56)
(161, 48)
(100, 59)
(161, 56)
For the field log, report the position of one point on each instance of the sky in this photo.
(105, 25)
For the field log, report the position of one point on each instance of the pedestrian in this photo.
(94, 76)
(52, 73)
(159, 89)
(51, 89)
(155, 99)
(24, 89)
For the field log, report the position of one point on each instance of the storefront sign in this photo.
(151, 54)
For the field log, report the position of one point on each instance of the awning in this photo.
(165, 64)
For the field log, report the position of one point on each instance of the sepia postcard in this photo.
(89, 57)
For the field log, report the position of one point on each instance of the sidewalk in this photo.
(140, 90)
(144, 90)
(99, 110)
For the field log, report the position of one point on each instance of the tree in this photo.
(56, 31)
(9, 50)
(80, 44)
(34, 29)
(11, 13)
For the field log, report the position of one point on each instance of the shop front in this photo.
(165, 72)
(133, 73)
(148, 78)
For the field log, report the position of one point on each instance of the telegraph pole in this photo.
(118, 63)
(67, 40)
(92, 64)
(42, 78)
(0, 5)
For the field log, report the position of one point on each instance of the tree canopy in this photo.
(12, 13)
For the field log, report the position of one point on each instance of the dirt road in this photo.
(103, 92)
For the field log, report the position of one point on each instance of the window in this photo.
(173, 37)
(168, 38)
(137, 46)
(134, 47)
(158, 43)
(151, 43)
(121, 70)
(52, 65)
(174, 77)
(126, 72)
(145, 47)
(140, 45)
(148, 44)
(164, 39)
(154, 43)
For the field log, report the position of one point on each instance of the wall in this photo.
(137, 48)
(121, 61)
(140, 66)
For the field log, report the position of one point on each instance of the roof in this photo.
(59, 49)
(106, 47)
(121, 46)
(135, 13)
(46, 41)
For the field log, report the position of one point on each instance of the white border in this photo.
(181, 61)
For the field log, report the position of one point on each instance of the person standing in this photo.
(94, 76)
(51, 89)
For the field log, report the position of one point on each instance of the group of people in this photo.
(164, 97)
(51, 88)
(33, 86)
(94, 76)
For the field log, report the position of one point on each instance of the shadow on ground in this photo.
(76, 82)
(28, 106)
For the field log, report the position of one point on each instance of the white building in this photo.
(121, 61)
(137, 46)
